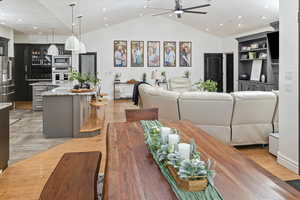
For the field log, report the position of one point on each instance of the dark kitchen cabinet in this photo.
(32, 65)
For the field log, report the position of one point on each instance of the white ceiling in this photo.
(47, 14)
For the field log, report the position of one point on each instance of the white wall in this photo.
(38, 39)
(147, 29)
(230, 45)
(288, 84)
(9, 34)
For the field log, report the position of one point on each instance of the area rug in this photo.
(295, 184)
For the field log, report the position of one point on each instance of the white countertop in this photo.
(4, 105)
(65, 91)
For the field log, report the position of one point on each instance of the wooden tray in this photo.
(188, 185)
(82, 90)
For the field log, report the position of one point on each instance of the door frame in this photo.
(222, 66)
(225, 81)
(88, 53)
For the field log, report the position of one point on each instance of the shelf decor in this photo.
(190, 178)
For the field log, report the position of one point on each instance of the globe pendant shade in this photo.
(82, 48)
(72, 44)
(53, 50)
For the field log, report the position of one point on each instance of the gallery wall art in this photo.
(169, 54)
(153, 52)
(137, 53)
(120, 53)
(185, 54)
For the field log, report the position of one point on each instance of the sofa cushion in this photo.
(180, 84)
(253, 107)
(206, 108)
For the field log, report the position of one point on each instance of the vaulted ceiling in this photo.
(224, 18)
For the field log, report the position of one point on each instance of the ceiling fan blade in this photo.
(163, 13)
(159, 8)
(195, 12)
(195, 7)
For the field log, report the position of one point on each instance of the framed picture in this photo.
(120, 53)
(137, 53)
(185, 54)
(153, 52)
(169, 54)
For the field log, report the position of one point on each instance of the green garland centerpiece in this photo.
(182, 161)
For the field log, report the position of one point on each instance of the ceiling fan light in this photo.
(53, 50)
(178, 12)
(72, 44)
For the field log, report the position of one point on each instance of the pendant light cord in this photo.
(72, 19)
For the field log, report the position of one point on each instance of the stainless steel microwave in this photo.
(62, 61)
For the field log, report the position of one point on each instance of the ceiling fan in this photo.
(179, 10)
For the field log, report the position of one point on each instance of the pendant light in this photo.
(82, 48)
(72, 43)
(53, 50)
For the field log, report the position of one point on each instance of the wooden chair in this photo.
(134, 115)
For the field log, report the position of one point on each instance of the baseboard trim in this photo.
(288, 163)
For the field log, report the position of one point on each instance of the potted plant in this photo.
(82, 79)
(144, 77)
(207, 86)
(164, 75)
(187, 74)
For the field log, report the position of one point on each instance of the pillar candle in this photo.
(165, 131)
(173, 139)
(184, 150)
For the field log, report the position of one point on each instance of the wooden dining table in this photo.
(131, 173)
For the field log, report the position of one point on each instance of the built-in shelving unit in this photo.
(256, 47)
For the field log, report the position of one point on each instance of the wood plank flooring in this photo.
(25, 179)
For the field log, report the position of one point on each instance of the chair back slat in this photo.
(133, 115)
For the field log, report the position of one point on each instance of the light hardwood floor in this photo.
(25, 179)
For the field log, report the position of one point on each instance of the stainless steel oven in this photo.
(62, 61)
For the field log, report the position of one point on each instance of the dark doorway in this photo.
(213, 68)
(88, 63)
(229, 73)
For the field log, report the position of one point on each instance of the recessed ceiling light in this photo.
(221, 24)
(263, 17)
(207, 29)
(35, 27)
(170, 15)
(106, 25)
(104, 9)
(266, 6)
(20, 20)
(240, 17)
(105, 18)
(240, 25)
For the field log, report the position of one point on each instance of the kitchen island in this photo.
(4, 135)
(65, 114)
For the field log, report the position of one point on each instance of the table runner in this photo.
(210, 193)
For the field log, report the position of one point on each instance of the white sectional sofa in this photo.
(239, 118)
(252, 117)
(210, 111)
(166, 101)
